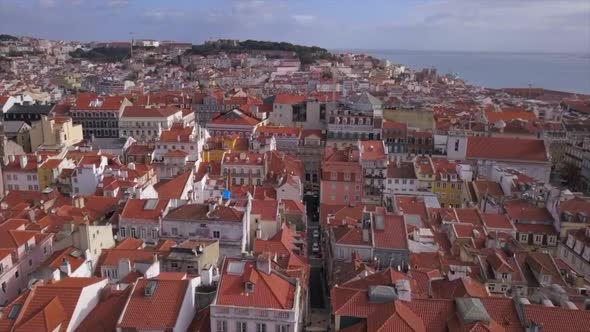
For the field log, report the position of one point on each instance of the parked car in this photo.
(316, 233)
(315, 248)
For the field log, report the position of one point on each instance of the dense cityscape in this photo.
(152, 185)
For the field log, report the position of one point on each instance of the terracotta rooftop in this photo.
(160, 310)
(269, 290)
(504, 148)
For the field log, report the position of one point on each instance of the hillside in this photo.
(102, 54)
(306, 54)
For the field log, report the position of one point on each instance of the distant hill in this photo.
(306, 54)
(102, 54)
(7, 37)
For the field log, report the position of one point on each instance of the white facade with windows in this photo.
(21, 180)
(85, 178)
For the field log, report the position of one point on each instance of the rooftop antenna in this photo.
(132, 41)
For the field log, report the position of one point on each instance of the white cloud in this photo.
(117, 3)
(303, 19)
(47, 3)
(161, 15)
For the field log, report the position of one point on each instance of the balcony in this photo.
(252, 313)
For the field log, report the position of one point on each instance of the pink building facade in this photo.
(341, 177)
(21, 253)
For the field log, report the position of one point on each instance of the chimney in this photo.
(131, 166)
(124, 267)
(78, 202)
(207, 275)
(365, 235)
(65, 267)
(379, 222)
(11, 158)
(31, 215)
(263, 263)
(23, 161)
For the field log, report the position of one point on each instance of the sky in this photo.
(445, 25)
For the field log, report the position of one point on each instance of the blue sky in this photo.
(472, 25)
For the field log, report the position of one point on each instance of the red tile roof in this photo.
(577, 207)
(270, 290)
(130, 243)
(142, 209)
(108, 103)
(558, 319)
(523, 211)
(177, 134)
(499, 263)
(201, 322)
(267, 209)
(156, 312)
(505, 148)
(111, 257)
(105, 315)
(372, 150)
(289, 99)
(232, 118)
(48, 306)
(144, 112)
(509, 115)
(461, 287)
(494, 220)
(54, 262)
(174, 188)
(191, 212)
(393, 235)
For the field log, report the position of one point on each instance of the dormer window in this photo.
(567, 216)
(249, 287)
(583, 217)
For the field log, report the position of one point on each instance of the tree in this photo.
(571, 173)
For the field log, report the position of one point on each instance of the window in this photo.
(133, 232)
(346, 176)
(282, 328)
(1, 268)
(16, 274)
(491, 287)
(30, 262)
(334, 176)
(203, 225)
(504, 275)
(504, 288)
(174, 231)
(260, 327)
(216, 234)
(154, 233)
(221, 326)
(122, 231)
(538, 239)
(524, 238)
(242, 327)
(4, 287)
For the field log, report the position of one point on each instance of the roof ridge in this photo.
(274, 294)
